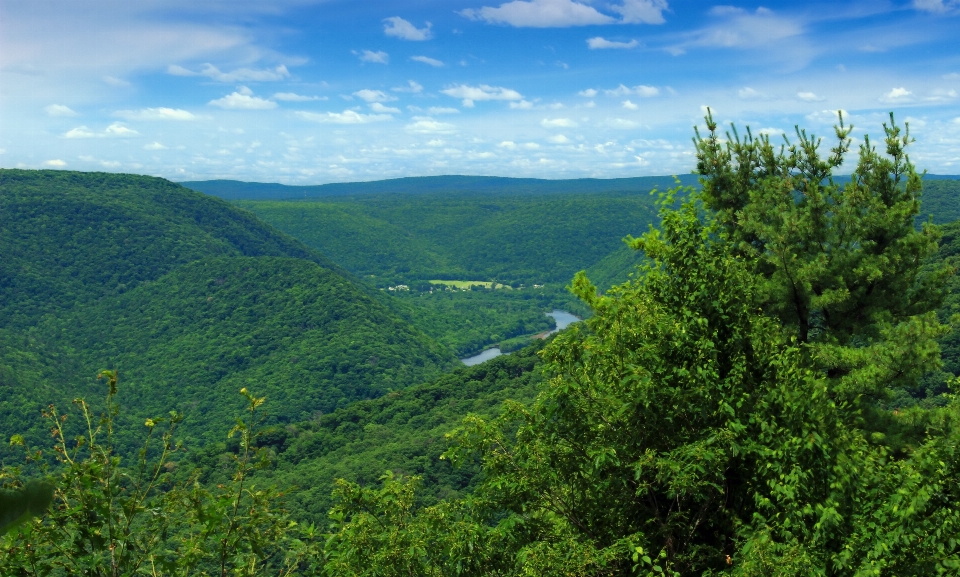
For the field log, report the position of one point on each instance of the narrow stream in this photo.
(563, 318)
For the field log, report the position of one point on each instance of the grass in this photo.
(465, 284)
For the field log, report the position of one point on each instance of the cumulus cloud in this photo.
(55, 163)
(629, 105)
(293, 97)
(588, 93)
(427, 60)
(442, 110)
(566, 13)
(900, 94)
(161, 113)
(557, 123)
(368, 95)
(469, 94)
(238, 75)
(400, 28)
(411, 87)
(243, 99)
(599, 43)
(622, 123)
(521, 105)
(640, 90)
(508, 144)
(809, 97)
(345, 117)
(425, 125)
(59, 110)
(154, 146)
(380, 108)
(378, 57)
(558, 139)
(115, 129)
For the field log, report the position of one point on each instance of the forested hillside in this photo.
(189, 297)
(513, 239)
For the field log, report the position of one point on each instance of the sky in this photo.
(317, 91)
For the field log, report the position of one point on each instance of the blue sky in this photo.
(306, 91)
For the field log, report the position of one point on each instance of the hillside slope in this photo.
(190, 297)
(531, 239)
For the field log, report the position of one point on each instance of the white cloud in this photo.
(508, 144)
(155, 114)
(424, 125)
(900, 94)
(116, 82)
(739, 29)
(956, 120)
(380, 108)
(115, 129)
(345, 117)
(598, 43)
(368, 95)
(238, 75)
(622, 123)
(243, 99)
(747, 93)
(937, 6)
(293, 97)
(952, 76)
(442, 110)
(378, 57)
(641, 90)
(522, 105)
(59, 110)
(769, 131)
(400, 28)
(809, 97)
(82, 132)
(588, 93)
(154, 146)
(629, 105)
(641, 11)
(558, 139)
(56, 163)
(412, 87)
(469, 94)
(427, 60)
(557, 123)
(540, 14)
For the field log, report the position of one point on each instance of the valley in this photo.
(352, 314)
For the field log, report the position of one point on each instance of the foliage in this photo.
(704, 423)
(510, 239)
(110, 520)
(191, 297)
(402, 432)
(467, 321)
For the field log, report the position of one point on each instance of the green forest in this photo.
(765, 383)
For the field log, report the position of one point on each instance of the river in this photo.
(563, 318)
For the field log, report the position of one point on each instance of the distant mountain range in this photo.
(237, 190)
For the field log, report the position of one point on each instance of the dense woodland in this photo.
(771, 391)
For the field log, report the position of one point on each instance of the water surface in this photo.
(563, 319)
